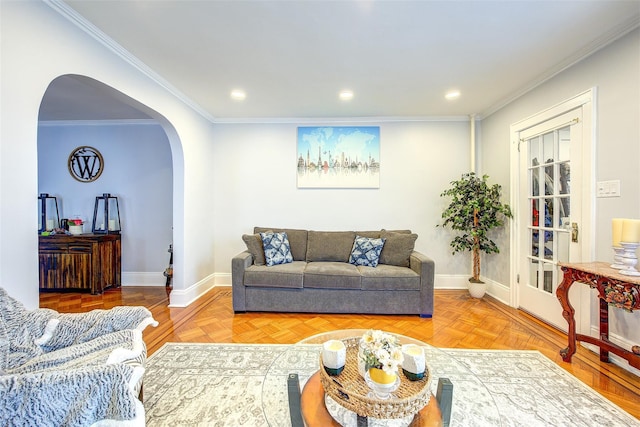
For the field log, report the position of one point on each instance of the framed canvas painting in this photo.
(338, 157)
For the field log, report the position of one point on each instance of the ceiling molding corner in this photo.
(79, 21)
(593, 47)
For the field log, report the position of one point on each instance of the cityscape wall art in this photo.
(338, 157)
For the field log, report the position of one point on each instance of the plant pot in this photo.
(477, 289)
(381, 377)
(381, 383)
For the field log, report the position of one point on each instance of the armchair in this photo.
(81, 369)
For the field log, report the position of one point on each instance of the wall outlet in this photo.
(608, 188)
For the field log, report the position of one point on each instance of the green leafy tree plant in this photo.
(475, 209)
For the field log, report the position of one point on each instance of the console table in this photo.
(86, 262)
(613, 289)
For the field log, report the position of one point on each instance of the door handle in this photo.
(574, 232)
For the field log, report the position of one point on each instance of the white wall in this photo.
(615, 72)
(39, 45)
(138, 170)
(255, 185)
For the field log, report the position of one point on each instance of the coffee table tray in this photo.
(351, 391)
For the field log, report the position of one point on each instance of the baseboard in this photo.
(451, 281)
(184, 297)
(618, 340)
(461, 281)
(497, 290)
(222, 279)
(143, 279)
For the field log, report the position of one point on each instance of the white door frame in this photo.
(588, 185)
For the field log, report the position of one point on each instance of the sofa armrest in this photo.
(239, 264)
(425, 267)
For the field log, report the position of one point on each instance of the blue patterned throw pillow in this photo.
(276, 248)
(366, 251)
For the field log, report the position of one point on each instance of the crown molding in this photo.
(334, 120)
(79, 21)
(115, 122)
(598, 44)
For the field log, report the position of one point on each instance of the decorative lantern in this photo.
(106, 215)
(49, 216)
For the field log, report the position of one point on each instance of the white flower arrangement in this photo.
(381, 350)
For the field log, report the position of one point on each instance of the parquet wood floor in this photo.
(459, 322)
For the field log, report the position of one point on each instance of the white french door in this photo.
(553, 194)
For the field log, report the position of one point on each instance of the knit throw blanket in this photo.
(70, 369)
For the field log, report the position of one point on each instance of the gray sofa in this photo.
(321, 280)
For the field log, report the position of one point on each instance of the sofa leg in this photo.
(426, 316)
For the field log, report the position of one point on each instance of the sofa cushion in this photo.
(297, 240)
(254, 246)
(331, 275)
(372, 234)
(288, 275)
(397, 248)
(389, 277)
(330, 246)
(276, 248)
(366, 251)
(396, 231)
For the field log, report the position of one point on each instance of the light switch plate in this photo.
(608, 188)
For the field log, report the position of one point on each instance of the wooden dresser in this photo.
(88, 262)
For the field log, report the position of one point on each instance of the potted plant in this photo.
(475, 209)
(381, 355)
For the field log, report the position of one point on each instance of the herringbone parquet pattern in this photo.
(459, 321)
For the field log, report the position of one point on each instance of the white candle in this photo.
(414, 361)
(616, 225)
(49, 224)
(334, 356)
(630, 231)
(112, 224)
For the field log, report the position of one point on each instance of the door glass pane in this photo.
(565, 178)
(548, 180)
(533, 274)
(548, 278)
(534, 152)
(548, 213)
(564, 212)
(535, 212)
(548, 244)
(548, 147)
(534, 243)
(564, 144)
(534, 175)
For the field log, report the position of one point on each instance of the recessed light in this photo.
(451, 95)
(238, 94)
(346, 95)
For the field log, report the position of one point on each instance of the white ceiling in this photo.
(399, 57)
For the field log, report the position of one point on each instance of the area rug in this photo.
(246, 385)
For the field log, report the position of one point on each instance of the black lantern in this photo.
(49, 216)
(106, 215)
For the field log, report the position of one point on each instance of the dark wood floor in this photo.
(459, 321)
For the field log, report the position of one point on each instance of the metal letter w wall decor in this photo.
(85, 164)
